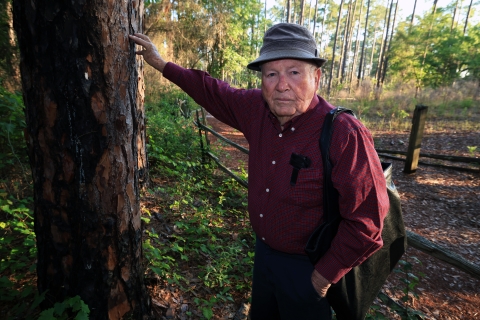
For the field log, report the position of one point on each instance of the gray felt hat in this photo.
(287, 41)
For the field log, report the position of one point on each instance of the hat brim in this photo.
(284, 54)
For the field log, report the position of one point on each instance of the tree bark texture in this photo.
(83, 94)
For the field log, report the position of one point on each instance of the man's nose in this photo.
(282, 84)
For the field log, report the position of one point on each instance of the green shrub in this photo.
(12, 125)
(173, 142)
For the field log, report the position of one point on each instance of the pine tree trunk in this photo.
(466, 18)
(385, 42)
(323, 25)
(362, 56)
(265, 17)
(413, 13)
(310, 15)
(9, 71)
(83, 94)
(454, 16)
(334, 47)
(349, 41)
(344, 43)
(302, 12)
(385, 63)
(289, 10)
(314, 31)
(357, 46)
(434, 9)
(379, 56)
(373, 51)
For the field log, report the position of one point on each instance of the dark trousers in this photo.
(282, 287)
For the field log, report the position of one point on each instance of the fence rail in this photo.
(457, 168)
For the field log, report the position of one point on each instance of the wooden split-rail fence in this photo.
(411, 163)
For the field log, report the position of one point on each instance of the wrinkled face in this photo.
(289, 86)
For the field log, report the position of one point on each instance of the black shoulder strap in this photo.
(330, 194)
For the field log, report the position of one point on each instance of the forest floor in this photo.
(442, 205)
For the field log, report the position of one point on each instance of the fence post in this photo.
(201, 137)
(416, 136)
(204, 115)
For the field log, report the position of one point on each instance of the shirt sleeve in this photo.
(233, 106)
(363, 200)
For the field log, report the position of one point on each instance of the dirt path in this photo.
(442, 205)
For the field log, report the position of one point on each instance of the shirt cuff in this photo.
(169, 70)
(330, 268)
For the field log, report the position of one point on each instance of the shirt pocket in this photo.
(307, 192)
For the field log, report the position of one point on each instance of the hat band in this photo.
(297, 45)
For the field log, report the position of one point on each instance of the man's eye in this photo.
(269, 75)
(295, 72)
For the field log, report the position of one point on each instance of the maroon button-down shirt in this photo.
(282, 215)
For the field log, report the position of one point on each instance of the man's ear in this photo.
(318, 74)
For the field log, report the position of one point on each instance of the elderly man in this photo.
(282, 120)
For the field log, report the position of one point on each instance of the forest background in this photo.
(381, 63)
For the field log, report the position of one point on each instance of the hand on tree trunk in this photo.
(150, 52)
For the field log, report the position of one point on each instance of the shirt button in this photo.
(293, 129)
(263, 238)
(280, 135)
(273, 162)
(261, 215)
(268, 190)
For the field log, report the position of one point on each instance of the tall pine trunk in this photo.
(349, 41)
(466, 18)
(413, 13)
(83, 94)
(373, 51)
(314, 30)
(344, 43)
(357, 46)
(384, 49)
(289, 11)
(362, 56)
(302, 12)
(323, 25)
(385, 63)
(334, 48)
(455, 15)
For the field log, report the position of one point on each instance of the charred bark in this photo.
(83, 95)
